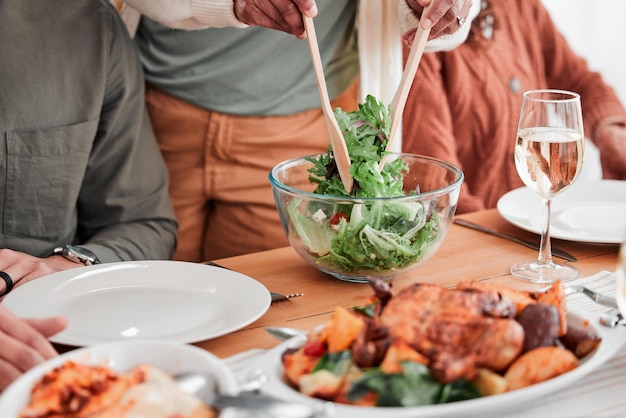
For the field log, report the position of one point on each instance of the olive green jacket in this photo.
(78, 160)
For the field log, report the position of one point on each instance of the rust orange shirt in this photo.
(464, 104)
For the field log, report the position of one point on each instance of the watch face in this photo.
(80, 255)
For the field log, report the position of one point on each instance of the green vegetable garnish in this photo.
(413, 387)
(336, 363)
(367, 310)
(373, 236)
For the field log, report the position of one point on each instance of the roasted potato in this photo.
(538, 365)
(342, 329)
(321, 384)
(489, 383)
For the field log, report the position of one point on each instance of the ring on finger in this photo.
(8, 280)
(461, 21)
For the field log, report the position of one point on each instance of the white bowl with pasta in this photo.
(121, 357)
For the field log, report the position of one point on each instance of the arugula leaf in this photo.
(366, 132)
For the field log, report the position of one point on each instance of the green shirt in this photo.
(252, 71)
(78, 160)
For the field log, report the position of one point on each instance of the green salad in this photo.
(375, 235)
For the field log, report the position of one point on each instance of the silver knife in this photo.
(598, 298)
(530, 244)
(284, 333)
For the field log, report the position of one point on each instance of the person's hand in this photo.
(444, 17)
(282, 15)
(22, 267)
(611, 142)
(24, 343)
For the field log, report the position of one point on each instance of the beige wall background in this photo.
(595, 30)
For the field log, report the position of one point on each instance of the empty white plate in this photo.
(177, 301)
(589, 211)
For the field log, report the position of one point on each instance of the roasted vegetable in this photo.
(580, 341)
(429, 344)
(538, 365)
(489, 383)
(555, 296)
(342, 329)
(541, 325)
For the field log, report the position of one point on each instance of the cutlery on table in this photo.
(340, 151)
(611, 317)
(204, 386)
(276, 297)
(285, 333)
(556, 252)
(598, 298)
(211, 263)
(279, 297)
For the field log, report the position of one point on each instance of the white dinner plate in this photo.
(122, 356)
(589, 211)
(177, 301)
(612, 340)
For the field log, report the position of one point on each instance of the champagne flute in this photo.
(549, 154)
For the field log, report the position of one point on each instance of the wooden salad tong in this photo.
(340, 151)
(337, 142)
(408, 75)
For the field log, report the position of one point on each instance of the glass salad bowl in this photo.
(354, 238)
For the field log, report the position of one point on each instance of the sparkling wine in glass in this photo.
(549, 153)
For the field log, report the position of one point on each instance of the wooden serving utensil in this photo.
(340, 151)
(410, 68)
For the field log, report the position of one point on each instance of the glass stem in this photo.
(545, 249)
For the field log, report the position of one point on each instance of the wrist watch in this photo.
(77, 254)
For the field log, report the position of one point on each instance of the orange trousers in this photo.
(219, 165)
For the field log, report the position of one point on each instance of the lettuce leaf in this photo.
(378, 235)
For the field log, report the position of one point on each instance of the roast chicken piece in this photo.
(458, 330)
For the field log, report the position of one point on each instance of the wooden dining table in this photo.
(464, 255)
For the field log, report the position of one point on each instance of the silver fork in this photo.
(593, 295)
(276, 297)
(279, 297)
